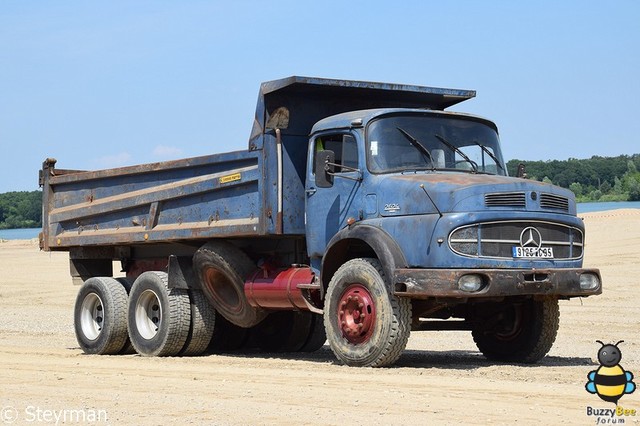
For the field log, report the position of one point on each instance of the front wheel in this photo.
(519, 331)
(366, 325)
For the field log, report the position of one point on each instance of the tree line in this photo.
(21, 210)
(593, 179)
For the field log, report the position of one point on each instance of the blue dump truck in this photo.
(359, 212)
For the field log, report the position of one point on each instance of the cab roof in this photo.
(294, 104)
(346, 120)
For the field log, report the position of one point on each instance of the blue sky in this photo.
(104, 84)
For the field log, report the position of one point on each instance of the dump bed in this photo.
(258, 192)
(196, 198)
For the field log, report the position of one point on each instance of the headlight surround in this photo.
(471, 283)
(589, 281)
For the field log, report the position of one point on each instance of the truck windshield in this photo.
(431, 142)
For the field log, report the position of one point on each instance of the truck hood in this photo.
(409, 194)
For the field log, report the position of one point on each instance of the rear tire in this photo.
(317, 336)
(159, 318)
(227, 337)
(366, 325)
(203, 320)
(100, 316)
(222, 269)
(525, 333)
(283, 331)
(128, 348)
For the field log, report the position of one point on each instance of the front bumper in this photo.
(428, 283)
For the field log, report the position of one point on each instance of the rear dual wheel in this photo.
(290, 331)
(159, 318)
(153, 321)
(100, 316)
(316, 336)
(284, 331)
(203, 321)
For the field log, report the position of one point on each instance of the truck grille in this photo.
(551, 201)
(505, 199)
(519, 200)
(497, 239)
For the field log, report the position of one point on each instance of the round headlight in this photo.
(470, 282)
(589, 281)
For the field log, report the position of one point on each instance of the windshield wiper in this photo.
(457, 150)
(490, 154)
(418, 145)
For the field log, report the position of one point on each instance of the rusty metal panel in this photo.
(190, 199)
(430, 283)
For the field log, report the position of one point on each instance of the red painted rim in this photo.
(356, 314)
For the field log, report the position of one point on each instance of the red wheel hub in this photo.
(356, 314)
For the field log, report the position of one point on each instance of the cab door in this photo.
(328, 208)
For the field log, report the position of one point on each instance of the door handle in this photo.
(310, 191)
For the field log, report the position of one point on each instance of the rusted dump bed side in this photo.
(183, 200)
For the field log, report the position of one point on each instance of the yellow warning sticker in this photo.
(230, 178)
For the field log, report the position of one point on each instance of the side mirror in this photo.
(325, 168)
(522, 171)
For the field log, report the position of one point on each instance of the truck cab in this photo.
(462, 238)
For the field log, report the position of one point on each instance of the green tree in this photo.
(633, 184)
(617, 186)
(576, 188)
(20, 209)
(609, 176)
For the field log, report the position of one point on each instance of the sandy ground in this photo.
(441, 378)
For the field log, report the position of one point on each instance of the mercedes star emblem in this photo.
(530, 237)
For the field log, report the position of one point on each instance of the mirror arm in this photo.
(347, 168)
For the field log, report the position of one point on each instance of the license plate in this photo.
(533, 252)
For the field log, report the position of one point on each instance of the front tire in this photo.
(100, 316)
(159, 318)
(366, 325)
(525, 332)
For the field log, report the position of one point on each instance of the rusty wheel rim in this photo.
(356, 314)
(222, 290)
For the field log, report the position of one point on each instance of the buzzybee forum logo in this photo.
(610, 381)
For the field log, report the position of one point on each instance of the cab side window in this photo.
(344, 147)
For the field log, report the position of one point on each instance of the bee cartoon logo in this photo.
(610, 381)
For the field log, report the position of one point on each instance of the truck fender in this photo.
(362, 241)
